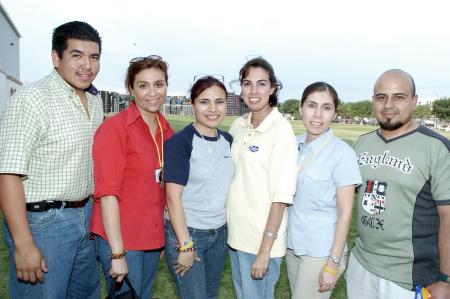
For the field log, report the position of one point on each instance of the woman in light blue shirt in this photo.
(320, 217)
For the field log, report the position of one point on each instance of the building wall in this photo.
(9, 49)
(9, 59)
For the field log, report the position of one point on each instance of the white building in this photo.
(425, 101)
(9, 58)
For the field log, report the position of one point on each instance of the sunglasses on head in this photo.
(219, 77)
(150, 57)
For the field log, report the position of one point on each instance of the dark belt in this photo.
(42, 206)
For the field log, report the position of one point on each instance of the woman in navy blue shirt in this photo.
(198, 172)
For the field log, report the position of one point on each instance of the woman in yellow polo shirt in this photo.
(264, 152)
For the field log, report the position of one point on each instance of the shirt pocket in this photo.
(317, 186)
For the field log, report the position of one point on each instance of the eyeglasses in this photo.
(219, 77)
(150, 57)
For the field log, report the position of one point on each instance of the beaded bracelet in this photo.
(330, 271)
(186, 245)
(118, 256)
(190, 249)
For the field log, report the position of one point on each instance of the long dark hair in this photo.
(204, 83)
(318, 87)
(264, 64)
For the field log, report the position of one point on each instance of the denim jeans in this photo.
(203, 279)
(142, 268)
(244, 285)
(63, 237)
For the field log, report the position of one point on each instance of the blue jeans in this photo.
(203, 279)
(247, 287)
(62, 235)
(142, 268)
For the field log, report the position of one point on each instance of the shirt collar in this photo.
(266, 123)
(133, 114)
(66, 86)
(317, 143)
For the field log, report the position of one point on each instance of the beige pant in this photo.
(303, 274)
(363, 284)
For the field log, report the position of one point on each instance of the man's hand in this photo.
(30, 263)
(439, 290)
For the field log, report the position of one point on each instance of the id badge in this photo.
(158, 175)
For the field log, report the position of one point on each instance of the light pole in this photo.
(434, 114)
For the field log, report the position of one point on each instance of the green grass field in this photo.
(164, 287)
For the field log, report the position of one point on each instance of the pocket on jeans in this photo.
(36, 219)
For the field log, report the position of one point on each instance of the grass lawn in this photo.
(164, 287)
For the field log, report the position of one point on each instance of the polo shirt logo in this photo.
(253, 148)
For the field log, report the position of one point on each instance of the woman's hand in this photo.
(184, 262)
(119, 269)
(260, 265)
(327, 281)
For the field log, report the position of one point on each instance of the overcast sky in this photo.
(346, 43)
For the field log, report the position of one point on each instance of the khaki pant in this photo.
(303, 274)
(364, 284)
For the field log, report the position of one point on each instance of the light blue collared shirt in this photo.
(329, 163)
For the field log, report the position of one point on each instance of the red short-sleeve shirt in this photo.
(125, 161)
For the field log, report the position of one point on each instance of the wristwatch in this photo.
(336, 260)
(444, 277)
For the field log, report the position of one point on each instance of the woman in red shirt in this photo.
(129, 196)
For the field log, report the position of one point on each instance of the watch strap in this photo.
(336, 260)
(444, 277)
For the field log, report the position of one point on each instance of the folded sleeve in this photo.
(440, 176)
(22, 127)
(346, 172)
(109, 154)
(283, 166)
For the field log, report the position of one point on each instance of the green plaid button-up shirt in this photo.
(46, 136)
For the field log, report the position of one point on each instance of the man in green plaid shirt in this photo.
(46, 172)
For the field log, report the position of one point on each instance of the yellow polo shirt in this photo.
(265, 160)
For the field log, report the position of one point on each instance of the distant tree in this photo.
(345, 111)
(423, 112)
(441, 108)
(362, 108)
(290, 106)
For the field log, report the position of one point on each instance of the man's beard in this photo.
(388, 125)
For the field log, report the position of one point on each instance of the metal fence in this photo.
(184, 110)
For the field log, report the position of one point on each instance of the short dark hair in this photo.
(147, 63)
(264, 64)
(74, 30)
(204, 83)
(318, 87)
